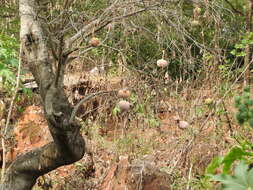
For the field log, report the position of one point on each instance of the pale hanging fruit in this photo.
(124, 105)
(162, 63)
(94, 42)
(183, 125)
(195, 23)
(124, 93)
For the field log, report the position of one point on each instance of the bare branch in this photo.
(233, 8)
(100, 23)
(87, 98)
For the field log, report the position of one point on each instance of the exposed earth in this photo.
(129, 151)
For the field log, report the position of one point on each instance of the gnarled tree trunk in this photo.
(68, 145)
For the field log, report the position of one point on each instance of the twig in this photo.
(88, 97)
(233, 8)
(80, 33)
(6, 16)
(9, 116)
(227, 117)
(124, 16)
(189, 178)
(72, 39)
(67, 53)
(186, 147)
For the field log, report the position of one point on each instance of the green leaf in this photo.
(216, 162)
(236, 153)
(246, 95)
(133, 98)
(239, 118)
(250, 42)
(244, 42)
(116, 110)
(241, 54)
(246, 89)
(233, 52)
(140, 108)
(6, 73)
(228, 182)
(240, 46)
(12, 62)
(2, 66)
(242, 179)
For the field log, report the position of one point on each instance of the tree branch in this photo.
(68, 145)
(101, 22)
(87, 98)
(233, 8)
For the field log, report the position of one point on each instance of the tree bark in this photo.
(68, 145)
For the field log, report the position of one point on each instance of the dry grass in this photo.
(151, 129)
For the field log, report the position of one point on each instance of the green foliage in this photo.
(216, 162)
(116, 110)
(8, 61)
(153, 122)
(236, 153)
(241, 180)
(94, 6)
(240, 47)
(243, 177)
(139, 108)
(225, 71)
(9, 19)
(244, 104)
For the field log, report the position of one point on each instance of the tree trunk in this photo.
(68, 145)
